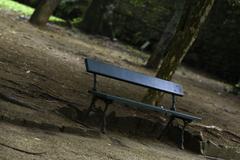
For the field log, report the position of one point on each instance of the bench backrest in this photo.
(111, 71)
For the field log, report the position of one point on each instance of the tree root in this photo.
(23, 151)
(15, 101)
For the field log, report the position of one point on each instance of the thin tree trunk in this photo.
(43, 11)
(195, 13)
(95, 17)
(168, 34)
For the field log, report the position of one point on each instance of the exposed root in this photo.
(21, 150)
(14, 101)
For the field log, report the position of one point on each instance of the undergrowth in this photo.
(23, 9)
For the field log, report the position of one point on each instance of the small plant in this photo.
(236, 88)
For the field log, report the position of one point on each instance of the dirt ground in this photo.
(42, 70)
(50, 145)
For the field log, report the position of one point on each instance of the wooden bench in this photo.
(107, 70)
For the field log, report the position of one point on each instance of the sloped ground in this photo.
(42, 70)
(56, 146)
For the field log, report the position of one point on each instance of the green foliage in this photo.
(137, 2)
(11, 5)
(138, 21)
(237, 85)
(72, 10)
(234, 2)
(144, 3)
(236, 89)
(217, 48)
(15, 6)
(31, 3)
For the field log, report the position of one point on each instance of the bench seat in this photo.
(144, 106)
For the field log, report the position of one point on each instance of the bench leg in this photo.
(90, 108)
(182, 135)
(164, 131)
(104, 119)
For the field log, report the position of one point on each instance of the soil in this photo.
(42, 70)
(50, 145)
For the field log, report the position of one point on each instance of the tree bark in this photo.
(97, 17)
(195, 13)
(43, 11)
(168, 34)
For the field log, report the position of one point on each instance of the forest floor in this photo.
(42, 70)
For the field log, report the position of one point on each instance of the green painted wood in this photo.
(111, 71)
(144, 106)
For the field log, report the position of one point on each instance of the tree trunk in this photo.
(98, 17)
(167, 36)
(43, 11)
(195, 13)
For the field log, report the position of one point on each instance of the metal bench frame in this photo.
(99, 68)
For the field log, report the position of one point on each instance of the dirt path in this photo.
(57, 146)
(42, 70)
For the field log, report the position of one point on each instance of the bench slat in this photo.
(122, 74)
(134, 104)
